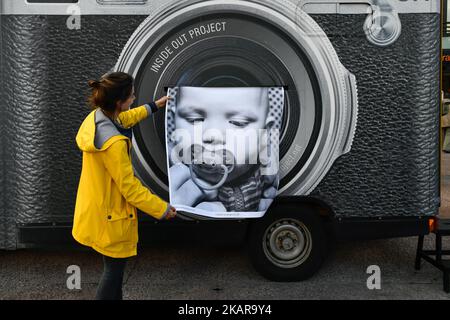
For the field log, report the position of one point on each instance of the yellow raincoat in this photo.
(108, 192)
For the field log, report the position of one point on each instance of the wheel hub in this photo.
(288, 243)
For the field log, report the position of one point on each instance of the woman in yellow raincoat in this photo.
(108, 192)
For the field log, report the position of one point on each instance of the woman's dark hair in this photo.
(111, 88)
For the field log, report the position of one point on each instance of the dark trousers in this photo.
(110, 286)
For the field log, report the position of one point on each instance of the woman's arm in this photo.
(133, 116)
(118, 164)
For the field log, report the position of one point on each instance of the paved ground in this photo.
(197, 272)
(178, 272)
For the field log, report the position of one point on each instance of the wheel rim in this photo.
(287, 243)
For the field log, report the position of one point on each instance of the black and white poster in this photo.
(222, 149)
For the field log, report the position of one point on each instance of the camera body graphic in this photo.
(360, 131)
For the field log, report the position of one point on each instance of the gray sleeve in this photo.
(151, 108)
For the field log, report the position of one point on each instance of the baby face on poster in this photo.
(217, 127)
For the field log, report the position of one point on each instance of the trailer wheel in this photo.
(288, 243)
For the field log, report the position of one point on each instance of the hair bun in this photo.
(94, 83)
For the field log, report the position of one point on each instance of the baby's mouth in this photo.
(211, 162)
(210, 170)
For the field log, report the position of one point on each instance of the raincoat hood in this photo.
(96, 132)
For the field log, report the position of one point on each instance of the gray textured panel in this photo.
(46, 69)
(7, 223)
(3, 225)
(392, 169)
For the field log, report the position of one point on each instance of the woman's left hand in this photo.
(160, 103)
(172, 213)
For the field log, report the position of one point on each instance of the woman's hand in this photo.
(172, 213)
(160, 103)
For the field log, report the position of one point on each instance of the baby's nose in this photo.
(213, 138)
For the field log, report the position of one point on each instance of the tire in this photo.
(303, 233)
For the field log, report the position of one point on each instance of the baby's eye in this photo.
(194, 119)
(239, 123)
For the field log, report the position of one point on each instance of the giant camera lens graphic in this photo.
(239, 44)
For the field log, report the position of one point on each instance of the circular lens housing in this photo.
(244, 44)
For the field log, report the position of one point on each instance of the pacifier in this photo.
(210, 162)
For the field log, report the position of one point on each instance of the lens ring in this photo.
(336, 112)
